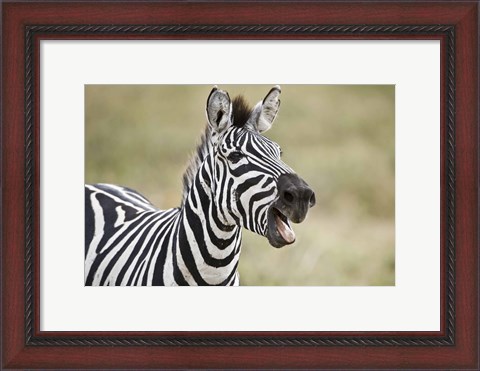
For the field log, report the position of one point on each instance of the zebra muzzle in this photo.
(295, 197)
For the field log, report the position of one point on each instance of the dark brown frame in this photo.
(454, 23)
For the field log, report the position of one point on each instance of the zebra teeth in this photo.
(283, 227)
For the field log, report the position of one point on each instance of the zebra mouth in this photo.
(280, 233)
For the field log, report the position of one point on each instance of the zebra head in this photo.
(251, 185)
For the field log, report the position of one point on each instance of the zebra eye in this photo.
(234, 157)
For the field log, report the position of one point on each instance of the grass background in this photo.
(339, 138)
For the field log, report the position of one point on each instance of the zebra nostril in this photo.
(288, 197)
(312, 201)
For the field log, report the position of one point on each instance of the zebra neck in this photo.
(207, 250)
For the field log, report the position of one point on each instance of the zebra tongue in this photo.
(284, 229)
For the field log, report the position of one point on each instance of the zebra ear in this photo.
(265, 111)
(219, 110)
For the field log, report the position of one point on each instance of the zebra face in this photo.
(251, 185)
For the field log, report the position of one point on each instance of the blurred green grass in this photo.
(339, 138)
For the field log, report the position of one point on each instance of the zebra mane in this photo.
(240, 115)
(241, 111)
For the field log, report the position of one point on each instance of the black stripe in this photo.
(230, 276)
(130, 280)
(177, 273)
(159, 268)
(89, 220)
(108, 206)
(123, 195)
(188, 258)
(229, 200)
(220, 191)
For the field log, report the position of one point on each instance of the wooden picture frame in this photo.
(455, 24)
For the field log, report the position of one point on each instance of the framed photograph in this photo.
(320, 156)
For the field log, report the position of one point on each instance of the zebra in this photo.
(236, 179)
